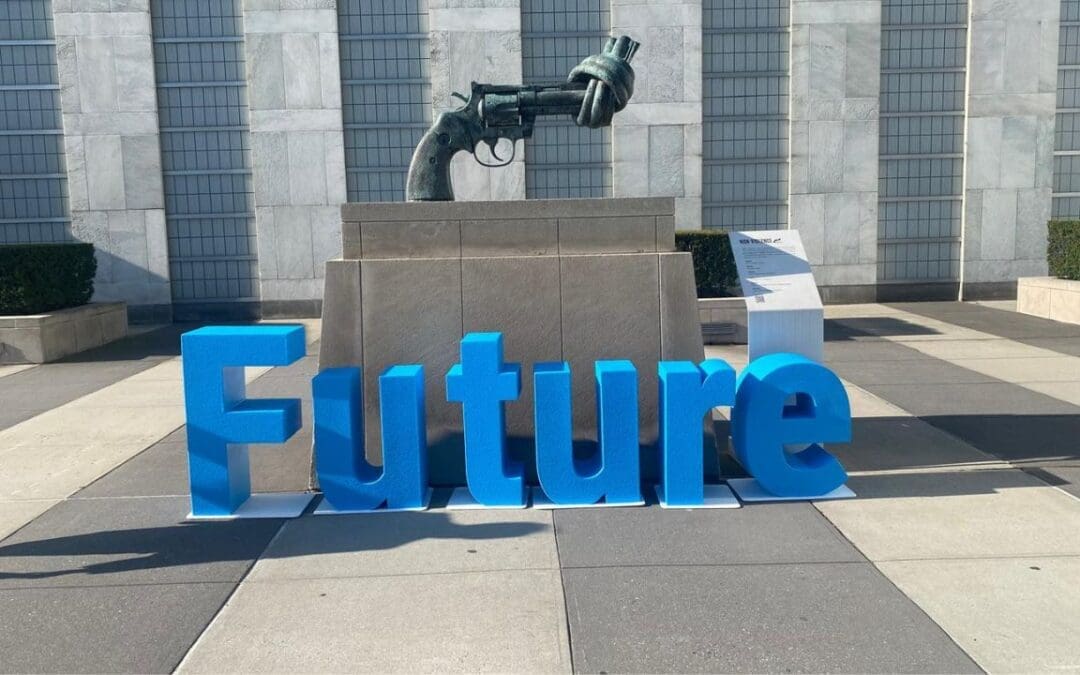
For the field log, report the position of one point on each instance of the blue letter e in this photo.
(762, 423)
(220, 421)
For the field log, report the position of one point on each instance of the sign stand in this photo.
(784, 314)
(783, 307)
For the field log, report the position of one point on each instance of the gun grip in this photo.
(429, 171)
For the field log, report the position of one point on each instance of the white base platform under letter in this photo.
(462, 500)
(325, 508)
(716, 497)
(266, 505)
(749, 490)
(541, 501)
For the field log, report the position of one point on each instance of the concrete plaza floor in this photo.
(961, 552)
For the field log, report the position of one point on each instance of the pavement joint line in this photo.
(105, 498)
(1017, 556)
(407, 575)
(236, 586)
(83, 587)
(763, 563)
(562, 590)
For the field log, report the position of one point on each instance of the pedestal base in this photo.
(578, 280)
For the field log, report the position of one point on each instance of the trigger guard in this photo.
(513, 153)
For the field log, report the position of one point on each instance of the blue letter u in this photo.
(348, 481)
(613, 472)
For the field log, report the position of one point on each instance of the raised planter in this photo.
(723, 320)
(41, 338)
(1049, 297)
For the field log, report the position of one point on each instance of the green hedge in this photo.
(1063, 249)
(714, 264)
(37, 278)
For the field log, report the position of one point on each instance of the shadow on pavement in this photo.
(873, 326)
(160, 342)
(1019, 439)
(201, 543)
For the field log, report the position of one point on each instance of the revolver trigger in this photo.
(493, 145)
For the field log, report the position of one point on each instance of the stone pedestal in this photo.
(562, 280)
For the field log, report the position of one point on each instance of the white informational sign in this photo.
(784, 311)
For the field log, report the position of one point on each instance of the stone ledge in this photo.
(41, 338)
(504, 210)
(1049, 298)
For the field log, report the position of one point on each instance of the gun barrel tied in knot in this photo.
(595, 90)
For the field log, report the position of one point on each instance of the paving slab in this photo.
(1023, 440)
(984, 346)
(1065, 345)
(101, 542)
(1065, 478)
(31, 390)
(1026, 369)
(429, 542)
(11, 370)
(104, 629)
(1010, 615)
(991, 398)
(920, 371)
(906, 444)
(868, 350)
(34, 391)
(833, 617)
(956, 515)
(763, 533)
(159, 471)
(1003, 323)
(15, 514)
(1063, 391)
(507, 621)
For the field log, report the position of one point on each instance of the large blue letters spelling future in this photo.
(221, 421)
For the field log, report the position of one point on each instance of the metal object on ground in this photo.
(595, 90)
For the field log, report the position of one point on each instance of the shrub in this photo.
(714, 264)
(36, 278)
(1063, 249)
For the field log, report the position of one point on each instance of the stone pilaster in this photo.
(476, 40)
(297, 143)
(835, 86)
(656, 140)
(1009, 157)
(112, 144)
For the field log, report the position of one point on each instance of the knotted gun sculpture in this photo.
(596, 89)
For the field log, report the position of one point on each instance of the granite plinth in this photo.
(571, 280)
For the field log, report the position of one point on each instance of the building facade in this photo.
(205, 146)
